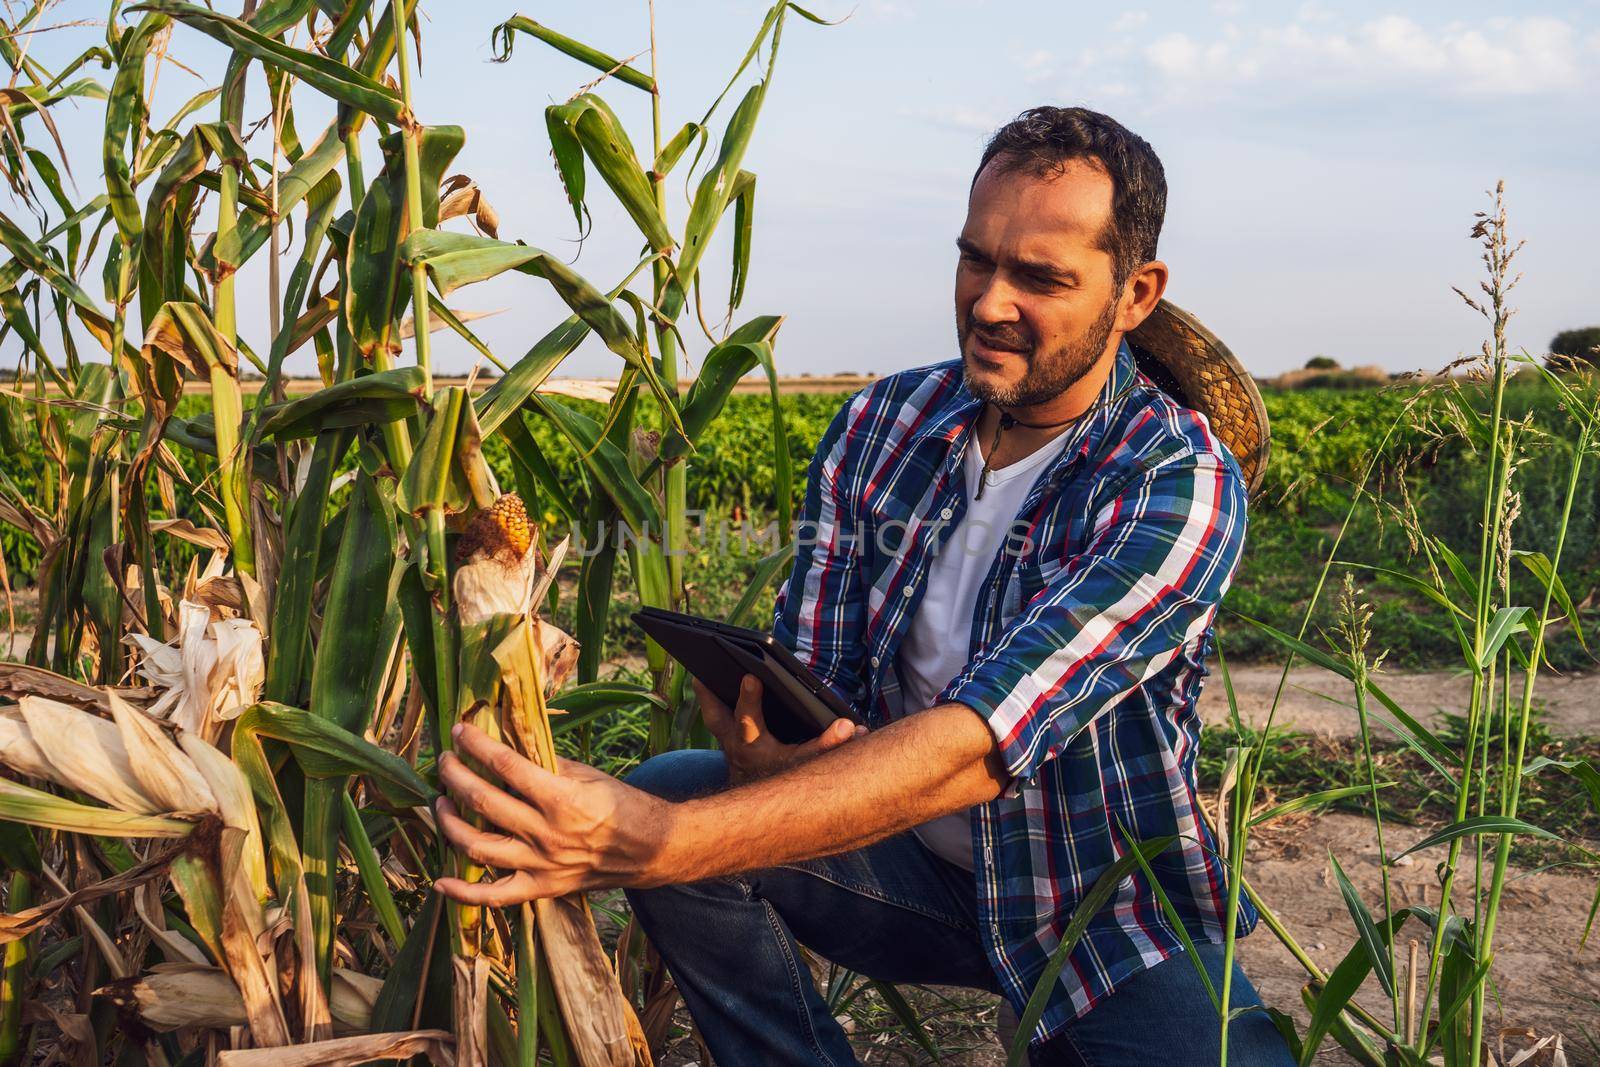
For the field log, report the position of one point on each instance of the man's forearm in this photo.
(929, 764)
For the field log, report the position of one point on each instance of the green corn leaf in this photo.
(33, 807)
(378, 289)
(325, 750)
(1377, 952)
(369, 865)
(33, 258)
(1477, 825)
(288, 652)
(673, 150)
(125, 109)
(512, 389)
(766, 572)
(744, 216)
(581, 704)
(746, 348)
(547, 482)
(342, 688)
(606, 464)
(1313, 800)
(433, 481)
(294, 185)
(586, 126)
(711, 198)
(359, 402)
(421, 970)
(1095, 899)
(502, 39)
(328, 76)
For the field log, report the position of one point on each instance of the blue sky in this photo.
(1323, 162)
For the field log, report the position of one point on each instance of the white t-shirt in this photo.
(936, 646)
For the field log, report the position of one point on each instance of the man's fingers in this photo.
(472, 793)
(513, 889)
(839, 732)
(491, 850)
(714, 713)
(752, 721)
(504, 762)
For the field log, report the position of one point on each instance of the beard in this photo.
(1050, 373)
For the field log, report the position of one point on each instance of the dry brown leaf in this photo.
(471, 1010)
(22, 923)
(18, 680)
(437, 1045)
(599, 1022)
(184, 530)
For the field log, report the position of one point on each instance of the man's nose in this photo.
(997, 303)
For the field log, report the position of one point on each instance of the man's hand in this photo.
(751, 749)
(581, 829)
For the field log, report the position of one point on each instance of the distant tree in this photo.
(1580, 344)
(1322, 363)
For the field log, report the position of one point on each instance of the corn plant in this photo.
(215, 810)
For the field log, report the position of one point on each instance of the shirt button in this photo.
(908, 590)
(946, 513)
(874, 662)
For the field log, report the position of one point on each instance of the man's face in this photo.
(1035, 294)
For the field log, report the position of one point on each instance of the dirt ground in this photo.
(1319, 702)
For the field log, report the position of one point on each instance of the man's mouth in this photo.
(992, 354)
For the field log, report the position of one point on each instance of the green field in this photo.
(1323, 440)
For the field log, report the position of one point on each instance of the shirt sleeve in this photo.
(821, 610)
(1159, 558)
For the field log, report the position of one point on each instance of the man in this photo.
(1010, 564)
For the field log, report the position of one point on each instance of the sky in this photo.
(1324, 162)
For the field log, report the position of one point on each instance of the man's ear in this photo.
(1141, 294)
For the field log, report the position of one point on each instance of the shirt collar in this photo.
(956, 416)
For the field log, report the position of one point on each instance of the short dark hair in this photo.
(1042, 139)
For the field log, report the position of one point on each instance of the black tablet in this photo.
(796, 704)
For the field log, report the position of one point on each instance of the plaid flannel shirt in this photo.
(1087, 652)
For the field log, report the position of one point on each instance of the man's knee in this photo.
(681, 775)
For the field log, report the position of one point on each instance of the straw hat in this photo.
(1196, 369)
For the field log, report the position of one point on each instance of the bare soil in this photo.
(1316, 701)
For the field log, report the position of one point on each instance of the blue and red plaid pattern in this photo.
(1087, 652)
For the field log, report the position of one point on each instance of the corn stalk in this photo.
(259, 614)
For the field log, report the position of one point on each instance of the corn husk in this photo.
(208, 674)
(167, 775)
(172, 996)
(17, 750)
(86, 753)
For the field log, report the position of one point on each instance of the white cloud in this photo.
(1521, 55)
(1129, 21)
(961, 119)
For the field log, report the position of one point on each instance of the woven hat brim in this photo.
(1194, 367)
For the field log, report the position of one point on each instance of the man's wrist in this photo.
(665, 858)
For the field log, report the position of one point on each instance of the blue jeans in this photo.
(896, 912)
